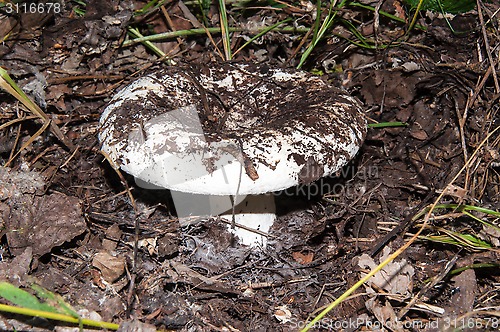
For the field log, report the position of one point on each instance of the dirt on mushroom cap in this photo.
(271, 115)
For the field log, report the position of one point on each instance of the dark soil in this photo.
(70, 221)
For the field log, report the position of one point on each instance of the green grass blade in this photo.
(29, 305)
(387, 124)
(474, 266)
(149, 7)
(22, 298)
(386, 14)
(481, 220)
(467, 241)
(203, 31)
(415, 16)
(8, 84)
(327, 23)
(136, 34)
(317, 22)
(363, 40)
(444, 6)
(57, 317)
(480, 209)
(224, 25)
(55, 301)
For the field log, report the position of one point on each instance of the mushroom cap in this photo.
(231, 128)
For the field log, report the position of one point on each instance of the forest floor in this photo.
(69, 224)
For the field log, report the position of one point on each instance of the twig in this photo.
(429, 285)
(487, 45)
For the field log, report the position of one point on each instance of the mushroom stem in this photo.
(253, 212)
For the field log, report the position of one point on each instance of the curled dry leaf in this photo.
(302, 258)
(395, 277)
(384, 313)
(283, 314)
(111, 267)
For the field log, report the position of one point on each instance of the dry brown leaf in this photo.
(302, 258)
(395, 277)
(111, 267)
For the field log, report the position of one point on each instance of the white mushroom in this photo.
(230, 130)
